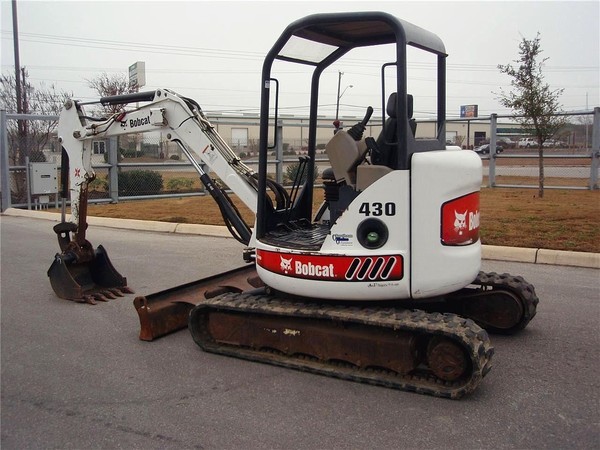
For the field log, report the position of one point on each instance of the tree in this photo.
(107, 85)
(535, 106)
(28, 138)
(292, 172)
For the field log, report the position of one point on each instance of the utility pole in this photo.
(339, 96)
(24, 109)
(587, 123)
(17, 59)
(21, 130)
(337, 106)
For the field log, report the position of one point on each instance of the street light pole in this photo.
(339, 96)
(337, 107)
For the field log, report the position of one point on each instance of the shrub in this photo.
(128, 153)
(99, 184)
(177, 184)
(119, 156)
(292, 170)
(149, 149)
(140, 182)
(174, 157)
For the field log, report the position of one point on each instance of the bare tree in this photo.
(534, 104)
(107, 85)
(31, 138)
(28, 138)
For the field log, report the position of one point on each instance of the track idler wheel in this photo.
(446, 359)
(498, 312)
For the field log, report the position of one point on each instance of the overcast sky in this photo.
(212, 51)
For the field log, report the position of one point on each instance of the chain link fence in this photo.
(568, 162)
(563, 169)
(138, 167)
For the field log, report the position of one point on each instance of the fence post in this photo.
(595, 150)
(492, 160)
(28, 181)
(279, 153)
(113, 172)
(4, 168)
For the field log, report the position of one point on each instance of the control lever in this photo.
(356, 132)
(372, 146)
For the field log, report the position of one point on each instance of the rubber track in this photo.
(518, 286)
(473, 339)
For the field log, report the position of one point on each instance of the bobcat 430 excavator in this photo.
(381, 284)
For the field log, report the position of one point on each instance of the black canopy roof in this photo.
(356, 29)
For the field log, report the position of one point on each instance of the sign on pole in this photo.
(469, 111)
(137, 75)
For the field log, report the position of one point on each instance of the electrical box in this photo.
(44, 178)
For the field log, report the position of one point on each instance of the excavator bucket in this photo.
(86, 282)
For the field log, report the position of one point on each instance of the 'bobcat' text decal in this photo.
(332, 267)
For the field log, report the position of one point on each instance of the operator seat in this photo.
(388, 138)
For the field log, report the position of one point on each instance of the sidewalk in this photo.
(493, 252)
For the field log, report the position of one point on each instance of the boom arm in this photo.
(182, 121)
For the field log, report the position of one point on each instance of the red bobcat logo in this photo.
(460, 220)
(286, 264)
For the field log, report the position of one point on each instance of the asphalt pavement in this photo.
(75, 376)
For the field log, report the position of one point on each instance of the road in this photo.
(561, 171)
(75, 376)
(549, 171)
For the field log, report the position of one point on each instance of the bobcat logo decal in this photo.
(460, 222)
(286, 264)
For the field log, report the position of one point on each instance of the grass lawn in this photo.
(562, 220)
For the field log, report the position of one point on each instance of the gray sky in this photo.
(212, 51)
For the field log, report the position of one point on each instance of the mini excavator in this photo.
(381, 284)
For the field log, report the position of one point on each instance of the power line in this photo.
(247, 55)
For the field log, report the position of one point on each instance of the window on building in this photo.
(99, 147)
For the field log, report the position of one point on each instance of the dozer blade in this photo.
(89, 281)
(167, 311)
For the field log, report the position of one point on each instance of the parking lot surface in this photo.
(76, 376)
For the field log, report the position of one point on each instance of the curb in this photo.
(541, 256)
(491, 252)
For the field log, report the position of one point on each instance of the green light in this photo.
(373, 237)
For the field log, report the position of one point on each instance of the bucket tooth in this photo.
(100, 296)
(116, 292)
(89, 299)
(107, 293)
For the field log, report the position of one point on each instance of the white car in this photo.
(527, 143)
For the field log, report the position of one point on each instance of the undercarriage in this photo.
(445, 354)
